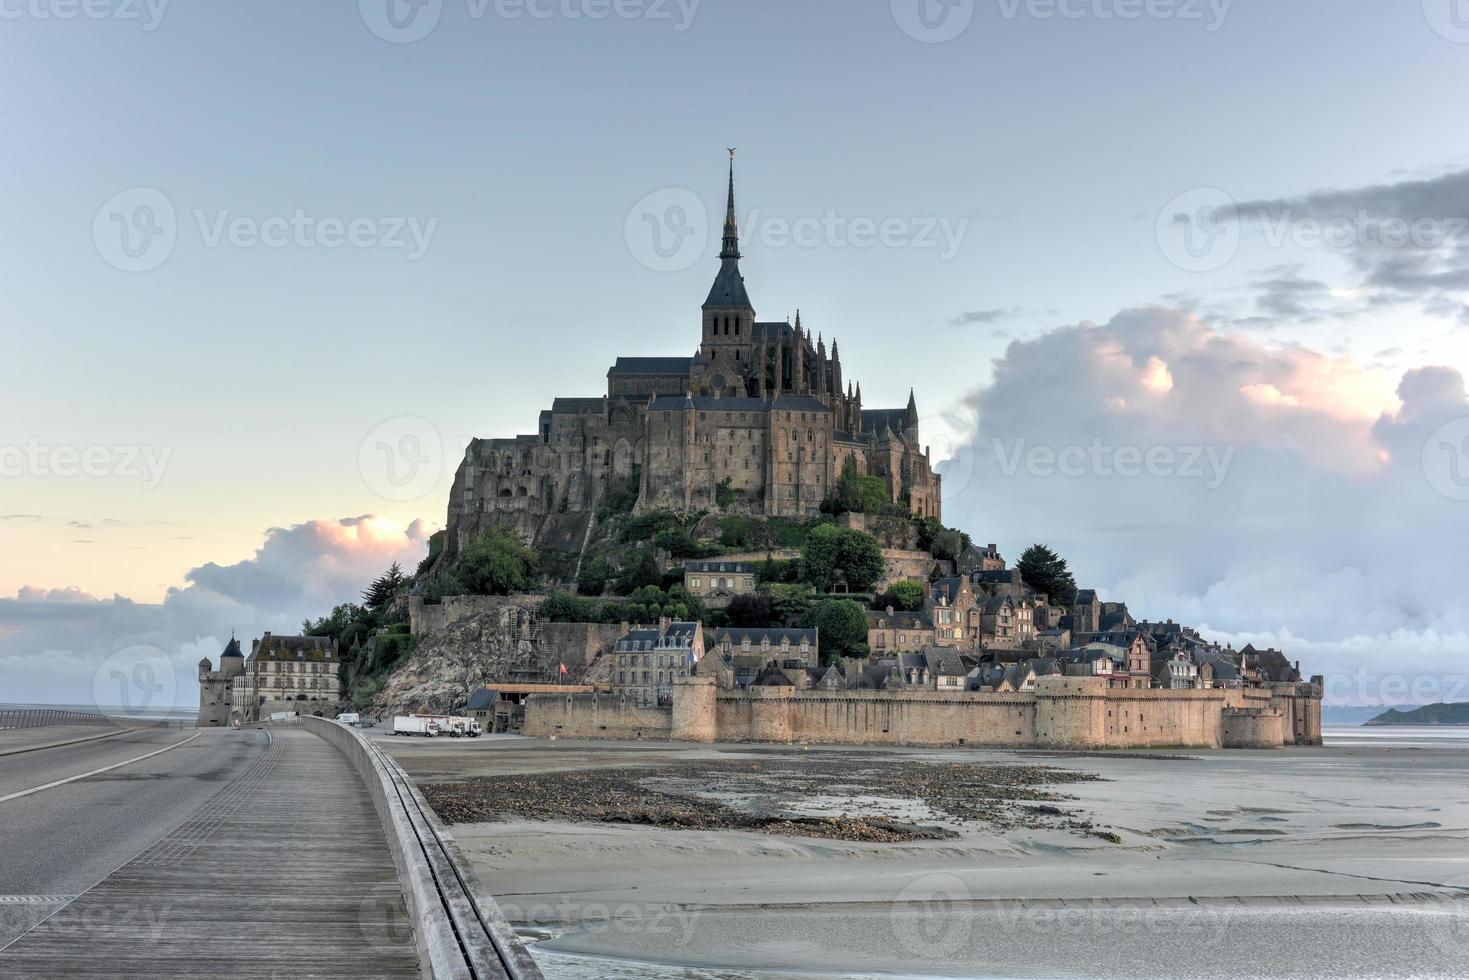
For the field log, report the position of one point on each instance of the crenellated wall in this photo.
(1063, 713)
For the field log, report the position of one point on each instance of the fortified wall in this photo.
(1064, 713)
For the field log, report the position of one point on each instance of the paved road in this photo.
(284, 872)
(63, 840)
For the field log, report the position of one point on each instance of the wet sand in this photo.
(1352, 860)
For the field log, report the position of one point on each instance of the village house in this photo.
(717, 582)
(789, 648)
(949, 603)
(890, 631)
(648, 659)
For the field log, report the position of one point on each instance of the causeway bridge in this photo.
(293, 849)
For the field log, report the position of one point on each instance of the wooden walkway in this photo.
(285, 873)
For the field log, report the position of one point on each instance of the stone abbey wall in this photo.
(1064, 712)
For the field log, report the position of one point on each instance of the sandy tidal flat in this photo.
(1352, 860)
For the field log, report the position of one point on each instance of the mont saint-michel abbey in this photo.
(760, 416)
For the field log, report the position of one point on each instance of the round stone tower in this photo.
(693, 710)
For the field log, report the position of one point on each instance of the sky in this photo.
(268, 267)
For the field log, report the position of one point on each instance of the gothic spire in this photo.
(731, 249)
(728, 291)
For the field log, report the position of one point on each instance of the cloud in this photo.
(971, 317)
(1407, 241)
(20, 517)
(52, 641)
(1268, 491)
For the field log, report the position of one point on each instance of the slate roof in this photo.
(680, 636)
(736, 567)
(1085, 597)
(899, 620)
(651, 365)
(944, 662)
(1005, 576)
(947, 587)
(875, 419)
(575, 406)
(799, 403)
(729, 287)
(481, 700)
(272, 647)
(737, 636)
(232, 649)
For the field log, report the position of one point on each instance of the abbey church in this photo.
(758, 421)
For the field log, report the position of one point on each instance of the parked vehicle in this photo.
(349, 718)
(415, 725)
(467, 727)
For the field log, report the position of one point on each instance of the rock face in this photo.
(487, 642)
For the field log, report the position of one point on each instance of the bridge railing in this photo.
(44, 717)
(457, 926)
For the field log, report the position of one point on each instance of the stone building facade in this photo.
(216, 686)
(759, 420)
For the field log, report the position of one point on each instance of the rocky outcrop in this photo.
(490, 641)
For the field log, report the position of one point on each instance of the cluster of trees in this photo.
(1045, 571)
(903, 596)
(840, 556)
(495, 563)
(859, 494)
(645, 605)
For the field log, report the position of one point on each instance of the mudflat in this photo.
(655, 859)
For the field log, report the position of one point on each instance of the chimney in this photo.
(663, 623)
(890, 609)
(626, 627)
(992, 546)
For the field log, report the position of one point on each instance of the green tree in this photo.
(384, 587)
(854, 492)
(1045, 571)
(724, 493)
(640, 570)
(752, 611)
(789, 604)
(835, 554)
(904, 596)
(594, 575)
(843, 628)
(497, 563)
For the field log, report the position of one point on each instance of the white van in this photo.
(349, 718)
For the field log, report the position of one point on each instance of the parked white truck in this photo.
(415, 725)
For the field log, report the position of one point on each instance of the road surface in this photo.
(62, 840)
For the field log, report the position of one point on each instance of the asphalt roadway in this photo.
(63, 839)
